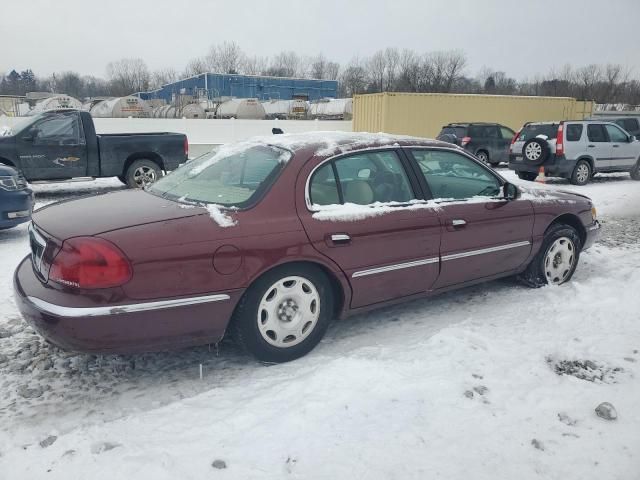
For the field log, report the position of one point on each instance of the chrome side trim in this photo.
(397, 266)
(75, 312)
(472, 253)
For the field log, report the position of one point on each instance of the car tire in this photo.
(141, 173)
(529, 176)
(483, 156)
(546, 267)
(581, 173)
(122, 179)
(536, 151)
(296, 321)
(635, 171)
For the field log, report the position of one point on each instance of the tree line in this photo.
(390, 69)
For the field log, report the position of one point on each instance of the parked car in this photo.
(62, 144)
(273, 238)
(16, 198)
(574, 149)
(487, 141)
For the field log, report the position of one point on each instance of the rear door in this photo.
(598, 146)
(624, 154)
(54, 148)
(483, 235)
(362, 210)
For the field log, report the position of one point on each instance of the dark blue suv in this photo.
(16, 198)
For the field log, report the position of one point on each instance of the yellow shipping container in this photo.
(424, 114)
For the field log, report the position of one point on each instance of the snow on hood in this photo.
(5, 131)
(546, 195)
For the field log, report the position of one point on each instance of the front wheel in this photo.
(557, 259)
(483, 156)
(581, 174)
(635, 172)
(284, 314)
(142, 173)
(529, 176)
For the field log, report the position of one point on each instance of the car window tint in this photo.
(574, 132)
(630, 124)
(491, 132)
(506, 133)
(549, 130)
(595, 132)
(60, 129)
(615, 134)
(323, 188)
(450, 175)
(475, 131)
(457, 131)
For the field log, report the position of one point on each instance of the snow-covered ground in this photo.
(490, 382)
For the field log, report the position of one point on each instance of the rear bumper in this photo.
(554, 166)
(15, 207)
(122, 328)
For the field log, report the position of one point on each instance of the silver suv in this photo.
(574, 149)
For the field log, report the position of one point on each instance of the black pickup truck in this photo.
(62, 144)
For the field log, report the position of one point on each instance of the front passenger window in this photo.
(615, 134)
(450, 175)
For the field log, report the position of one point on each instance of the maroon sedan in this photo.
(273, 238)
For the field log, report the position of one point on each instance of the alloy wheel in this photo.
(533, 151)
(144, 176)
(582, 173)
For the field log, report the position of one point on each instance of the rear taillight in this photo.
(465, 140)
(90, 262)
(186, 147)
(560, 140)
(516, 137)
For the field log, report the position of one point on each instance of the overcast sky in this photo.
(522, 38)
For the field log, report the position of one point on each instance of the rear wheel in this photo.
(529, 176)
(284, 314)
(635, 172)
(483, 156)
(581, 174)
(142, 173)
(557, 259)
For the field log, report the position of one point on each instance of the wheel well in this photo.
(573, 221)
(154, 157)
(4, 161)
(590, 161)
(336, 286)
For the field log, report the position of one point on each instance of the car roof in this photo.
(334, 143)
(468, 124)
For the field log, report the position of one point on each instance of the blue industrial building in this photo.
(216, 85)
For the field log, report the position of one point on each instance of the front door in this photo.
(482, 234)
(624, 154)
(53, 148)
(362, 211)
(506, 136)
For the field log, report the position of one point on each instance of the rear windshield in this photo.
(549, 130)
(234, 176)
(457, 131)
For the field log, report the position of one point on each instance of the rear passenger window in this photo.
(323, 189)
(596, 133)
(574, 132)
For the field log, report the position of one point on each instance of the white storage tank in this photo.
(193, 110)
(241, 108)
(333, 109)
(286, 109)
(54, 103)
(122, 107)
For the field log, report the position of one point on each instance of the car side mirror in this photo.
(511, 192)
(632, 138)
(29, 136)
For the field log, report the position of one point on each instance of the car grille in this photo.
(38, 245)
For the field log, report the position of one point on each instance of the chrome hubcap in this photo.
(559, 261)
(144, 176)
(582, 174)
(533, 151)
(288, 312)
(482, 157)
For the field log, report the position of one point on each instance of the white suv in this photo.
(574, 149)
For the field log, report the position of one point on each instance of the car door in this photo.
(483, 234)
(494, 141)
(624, 154)
(54, 147)
(598, 146)
(506, 135)
(363, 211)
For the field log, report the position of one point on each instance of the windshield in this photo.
(234, 176)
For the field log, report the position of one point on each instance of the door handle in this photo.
(458, 222)
(340, 238)
(616, 146)
(591, 146)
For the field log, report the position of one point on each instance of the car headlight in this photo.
(13, 182)
(594, 214)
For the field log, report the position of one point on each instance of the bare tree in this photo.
(224, 58)
(392, 59)
(255, 65)
(162, 77)
(318, 67)
(333, 71)
(353, 79)
(128, 75)
(285, 64)
(376, 68)
(196, 66)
